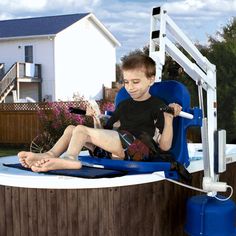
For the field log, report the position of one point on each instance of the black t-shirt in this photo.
(137, 117)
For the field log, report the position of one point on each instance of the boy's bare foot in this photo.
(47, 164)
(27, 159)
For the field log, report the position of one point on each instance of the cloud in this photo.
(14, 5)
(202, 6)
(45, 7)
(129, 20)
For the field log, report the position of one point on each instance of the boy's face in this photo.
(137, 84)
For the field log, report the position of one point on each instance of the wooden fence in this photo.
(18, 127)
(19, 122)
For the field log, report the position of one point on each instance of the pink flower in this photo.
(107, 106)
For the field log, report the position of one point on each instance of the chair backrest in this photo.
(173, 91)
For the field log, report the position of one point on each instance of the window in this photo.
(29, 54)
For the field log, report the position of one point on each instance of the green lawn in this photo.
(9, 151)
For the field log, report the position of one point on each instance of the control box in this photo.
(220, 151)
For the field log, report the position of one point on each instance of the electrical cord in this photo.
(225, 199)
(197, 189)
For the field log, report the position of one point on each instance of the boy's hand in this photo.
(92, 108)
(90, 111)
(176, 108)
(172, 110)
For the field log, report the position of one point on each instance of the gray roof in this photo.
(37, 26)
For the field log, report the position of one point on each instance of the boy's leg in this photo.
(109, 140)
(27, 159)
(47, 164)
(63, 142)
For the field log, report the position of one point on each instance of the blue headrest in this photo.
(172, 91)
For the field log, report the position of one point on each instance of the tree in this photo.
(119, 75)
(134, 52)
(222, 52)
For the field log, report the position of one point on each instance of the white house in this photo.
(54, 57)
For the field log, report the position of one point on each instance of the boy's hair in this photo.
(140, 61)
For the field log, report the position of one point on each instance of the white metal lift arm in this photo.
(164, 36)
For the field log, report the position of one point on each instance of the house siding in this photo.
(79, 59)
(85, 61)
(30, 90)
(11, 52)
(45, 56)
(43, 53)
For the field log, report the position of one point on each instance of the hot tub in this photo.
(129, 205)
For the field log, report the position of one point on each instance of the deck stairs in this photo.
(7, 83)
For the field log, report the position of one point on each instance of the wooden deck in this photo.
(147, 210)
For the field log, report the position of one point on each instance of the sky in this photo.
(129, 20)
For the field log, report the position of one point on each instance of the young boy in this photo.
(140, 118)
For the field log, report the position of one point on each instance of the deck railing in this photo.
(8, 78)
(21, 71)
(29, 70)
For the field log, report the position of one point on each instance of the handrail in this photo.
(17, 70)
(8, 78)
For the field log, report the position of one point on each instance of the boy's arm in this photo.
(113, 119)
(102, 121)
(92, 110)
(97, 122)
(88, 112)
(166, 137)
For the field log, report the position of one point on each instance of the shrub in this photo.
(56, 117)
(106, 106)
